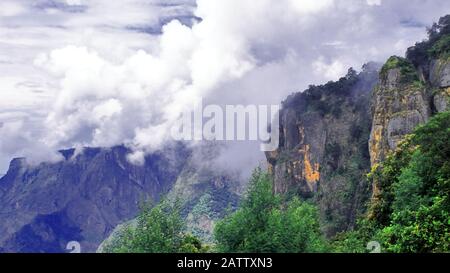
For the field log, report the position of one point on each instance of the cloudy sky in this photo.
(79, 73)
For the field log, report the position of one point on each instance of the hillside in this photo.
(84, 197)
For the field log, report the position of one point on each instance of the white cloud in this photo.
(103, 75)
(74, 2)
(311, 6)
(332, 70)
(10, 8)
(373, 2)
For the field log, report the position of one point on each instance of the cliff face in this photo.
(407, 96)
(410, 91)
(400, 103)
(84, 197)
(332, 135)
(323, 150)
(404, 99)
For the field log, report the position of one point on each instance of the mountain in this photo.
(332, 135)
(84, 197)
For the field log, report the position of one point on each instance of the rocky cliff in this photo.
(403, 100)
(400, 102)
(323, 151)
(410, 91)
(332, 135)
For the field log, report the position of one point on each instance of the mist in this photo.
(95, 73)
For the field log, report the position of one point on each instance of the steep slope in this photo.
(86, 196)
(207, 193)
(332, 135)
(323, 147)
(81, 198)
(402, 101)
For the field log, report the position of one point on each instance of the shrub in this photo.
(407, 70)
(265, 223)
(441, 48)
(157, 230)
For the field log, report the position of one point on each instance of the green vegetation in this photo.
(441, 48)
(437, 45)
(317, 98)
(407, 70)
(158, 230)
(355, 241)
(266, 223)
(420, 219)
(412, 211)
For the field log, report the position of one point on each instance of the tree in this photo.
(413, 211)
(157, 230)
(266, 223)
(435, 46)
(421, 206)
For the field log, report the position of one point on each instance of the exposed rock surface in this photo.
(398, 106)
(325, 130)
(401, 103)
(323, 147)
(332, 135)
(440, 73)
(441, 100)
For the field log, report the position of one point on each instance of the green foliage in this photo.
(441, 48)
(393, 62)
(442, 27)
(384, 176)
(426, 229)
(437, 45)
(421, 208)
(412, 212)
(266, 223)
(192, 244)
(348, 242)
(324, 99)
(407, 70)
(203, 206)
(158, 230)
(356, 240)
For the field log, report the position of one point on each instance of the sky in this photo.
(76, 73)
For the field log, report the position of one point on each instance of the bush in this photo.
(265, 223)
(157, 230)
(437, 45)
(441, 48)
(413, 209)
(407, 70)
